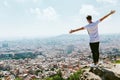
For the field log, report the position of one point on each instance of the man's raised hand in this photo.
(112, 11)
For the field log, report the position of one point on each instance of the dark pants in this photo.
(95, 51)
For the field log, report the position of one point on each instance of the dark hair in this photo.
(89, 17)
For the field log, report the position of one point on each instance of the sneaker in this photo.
(93, 65)
(100, 64)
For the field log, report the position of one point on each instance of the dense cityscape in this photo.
(38, 59)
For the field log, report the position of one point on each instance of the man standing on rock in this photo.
(92, 29)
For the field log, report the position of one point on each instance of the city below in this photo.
(38, 59)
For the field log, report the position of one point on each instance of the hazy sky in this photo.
(42, 18)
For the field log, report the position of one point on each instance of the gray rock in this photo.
(105, 74)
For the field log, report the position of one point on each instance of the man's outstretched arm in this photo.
(112, 12)
(82, 28)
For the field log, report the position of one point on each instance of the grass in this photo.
(117, 62)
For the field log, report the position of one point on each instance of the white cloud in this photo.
(88, 10)
(36, 11)
(20, 1)
(35, 1)
(108, 1)
(47, 13)
(5, 3)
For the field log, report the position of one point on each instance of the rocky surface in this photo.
(101, 73)
(89, 76)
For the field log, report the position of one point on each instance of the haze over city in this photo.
(45, 18)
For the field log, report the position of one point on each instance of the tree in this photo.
(75, 76)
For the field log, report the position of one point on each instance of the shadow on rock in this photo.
(105, 74)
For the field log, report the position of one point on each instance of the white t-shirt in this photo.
(92, 29)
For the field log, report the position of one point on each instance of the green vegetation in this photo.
(18, 79)
(22, 55)
(76, 75)
(58, 76)
(22, 79)
(117, 62)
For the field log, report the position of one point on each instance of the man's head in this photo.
(89, 18)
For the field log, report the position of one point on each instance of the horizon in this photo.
(47, 37)
(47, 18)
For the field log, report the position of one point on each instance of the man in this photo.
(92, 29)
